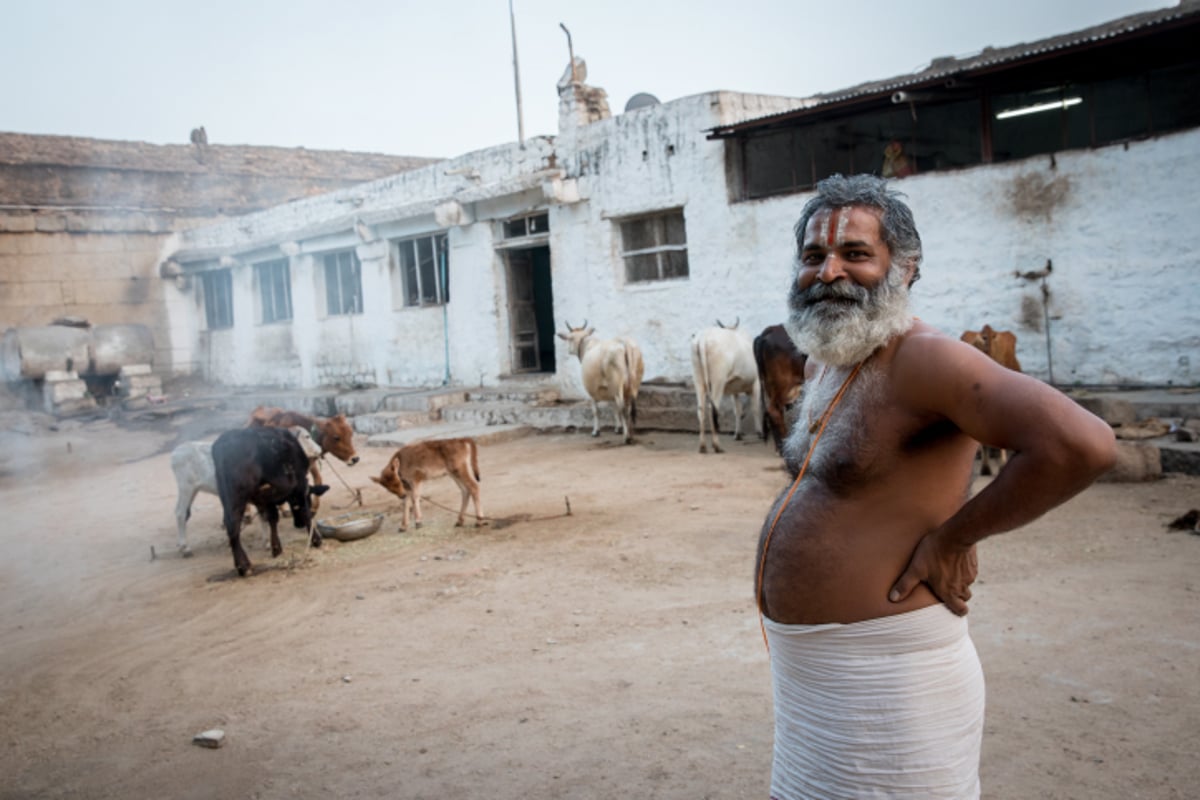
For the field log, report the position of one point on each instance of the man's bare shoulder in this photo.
(927, 366)
(924, 346)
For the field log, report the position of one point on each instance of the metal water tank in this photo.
(116, 346)
(33, 351)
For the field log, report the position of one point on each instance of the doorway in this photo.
(530, 310)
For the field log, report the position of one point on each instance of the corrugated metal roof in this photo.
(945, 68)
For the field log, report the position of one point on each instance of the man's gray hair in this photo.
(897, 227)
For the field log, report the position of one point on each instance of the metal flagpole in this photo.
(516, 77)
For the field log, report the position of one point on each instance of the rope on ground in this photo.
(502, 522)
(357, 492)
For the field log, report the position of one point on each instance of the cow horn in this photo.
(719, 323)
(583, 327)
(568, 324)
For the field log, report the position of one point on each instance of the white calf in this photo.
(723, 363)
(612, 372)
(192, 463)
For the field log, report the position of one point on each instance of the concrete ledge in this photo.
(483, 434)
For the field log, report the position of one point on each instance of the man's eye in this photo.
(857, 255)
(812, 259)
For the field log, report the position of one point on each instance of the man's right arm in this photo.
(1058, 448)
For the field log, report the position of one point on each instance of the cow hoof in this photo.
(703, 449)
(717, 449)
(315, 540)
(186, 552)
(416, 524)
(402, 529)
(276, 552)
(595, 434)
(458, 524)
(481, 523)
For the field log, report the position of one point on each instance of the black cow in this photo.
(781, 372)
(263, 467)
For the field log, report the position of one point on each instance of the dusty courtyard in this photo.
(612, 653)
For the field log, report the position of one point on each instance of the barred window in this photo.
(218, 298)
(654, 247)
(343, 283)
(423, 271)
(274, 279)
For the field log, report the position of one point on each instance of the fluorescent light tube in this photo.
(1022, 111)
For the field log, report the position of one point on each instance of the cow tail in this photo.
(475, 460)
(630, 366)
(708, 389)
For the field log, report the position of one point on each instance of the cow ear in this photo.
(563, 336)
(372, 477)
(318, 490)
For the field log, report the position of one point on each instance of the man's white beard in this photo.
(840, 333)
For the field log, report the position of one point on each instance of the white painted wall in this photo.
(1124, 306)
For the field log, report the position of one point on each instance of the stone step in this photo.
(482, 434)
(577, 415)
(537, 395)
(387, 421)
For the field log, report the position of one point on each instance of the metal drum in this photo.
(32, 352)
(116, 346)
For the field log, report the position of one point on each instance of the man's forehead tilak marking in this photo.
(831, 227)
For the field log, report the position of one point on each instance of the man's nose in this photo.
(831, 269)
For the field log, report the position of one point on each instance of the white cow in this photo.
(612, 372)
(192, 463)
(723, 363)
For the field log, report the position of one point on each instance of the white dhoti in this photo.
(887, 708)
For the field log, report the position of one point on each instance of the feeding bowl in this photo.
(351, 526)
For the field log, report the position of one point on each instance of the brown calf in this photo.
(416, 463)
(333, 434)
(1001, 347)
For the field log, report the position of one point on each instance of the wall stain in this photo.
(1032, 195)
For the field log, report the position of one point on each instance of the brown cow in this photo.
(1001, 347)
(781, 373)
(415, 463)
(333, 434)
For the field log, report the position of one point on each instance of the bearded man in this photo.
(865, 562)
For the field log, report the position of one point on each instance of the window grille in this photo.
(424, 270)
(218, 298)
(343, 283)
(654, 247)
(274, 280)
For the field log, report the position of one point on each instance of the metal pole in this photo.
(571, 52)
(516, 77)
(445, 314)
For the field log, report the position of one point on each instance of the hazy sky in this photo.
(435, 78)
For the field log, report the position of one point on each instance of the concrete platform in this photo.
(483, 434)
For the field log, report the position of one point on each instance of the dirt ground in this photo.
(612, 653)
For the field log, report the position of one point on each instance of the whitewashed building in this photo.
(1054, 184)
